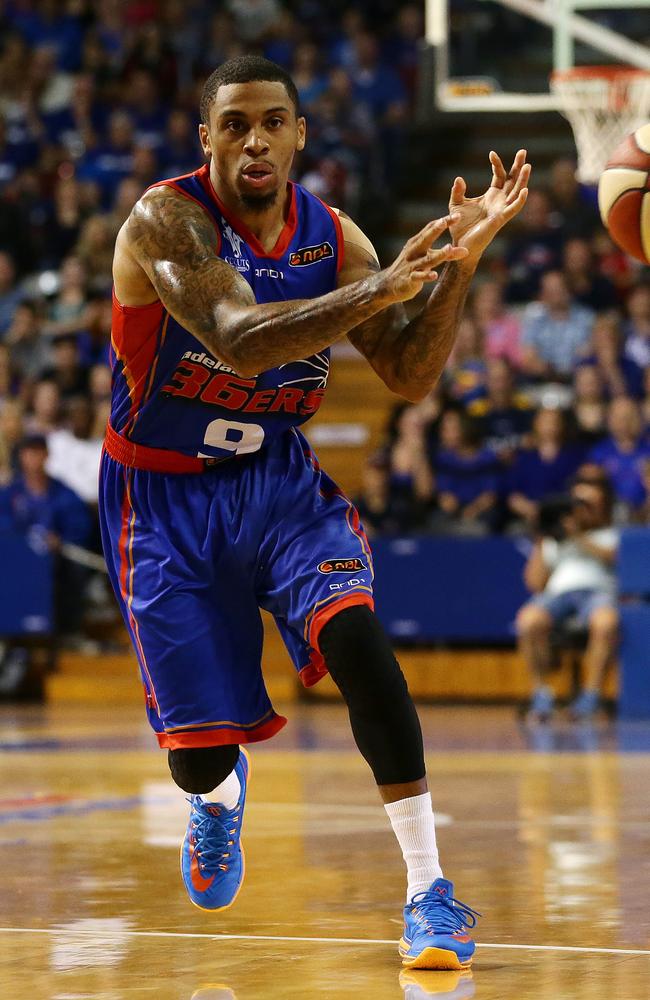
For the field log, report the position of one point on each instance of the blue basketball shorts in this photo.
(193, 557)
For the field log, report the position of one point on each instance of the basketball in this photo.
(624, 194)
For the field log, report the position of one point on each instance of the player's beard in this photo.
(259, 203)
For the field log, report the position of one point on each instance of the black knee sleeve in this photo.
(200, 769)
(383, 717)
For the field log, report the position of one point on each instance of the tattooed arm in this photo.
(171, 241)
(410, 357)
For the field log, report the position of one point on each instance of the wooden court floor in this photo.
(546, 833)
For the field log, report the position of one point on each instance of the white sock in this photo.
(227, 793)
(414, 826)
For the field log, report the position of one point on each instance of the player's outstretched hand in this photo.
(418, 261)
(480, 219)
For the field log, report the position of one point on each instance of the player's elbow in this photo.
(411, 392)
(233, 343)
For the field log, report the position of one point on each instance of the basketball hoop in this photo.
(603, 104)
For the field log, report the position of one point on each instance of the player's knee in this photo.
(198, 770)
(359, 657)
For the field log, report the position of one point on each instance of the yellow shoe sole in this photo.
(432, 958)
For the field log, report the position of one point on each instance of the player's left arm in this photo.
(410, 356)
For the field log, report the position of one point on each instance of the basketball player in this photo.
(230, 285)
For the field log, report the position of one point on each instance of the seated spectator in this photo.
(571, 574)
(95, 342)
(613, 263)
(11, 295)
(500, 327)
(95, 251)
(645, 402)
(145, 166)
(64, 222)
(12, 430)
(466, 476)
(112, 159)
(622, 455)
(505, 416)
(8, 379)
(589, 406)
(180, 152)
(145, 108)
(77, 125)
(586, 286)
(10, 158)
(555, 330)
(74, 453)
(307, 75)
(45, 412)
(544, 469)
(573, 205)
(219, 43)
(128, 192)
(66, 314)
(383, 510)
(378, 88)
(409, 464)
(644, 510)
(535, 250)
(51, 515)
(620, 374)
(637, 327)
(284, 34)
(465, 374)
(30, 351)
(99, 383)
(253, 18)
(67, 371)
(403, 46)
(156, 45)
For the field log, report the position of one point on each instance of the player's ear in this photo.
(204, 139)
(302, 133)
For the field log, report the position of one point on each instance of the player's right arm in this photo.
(172, 241)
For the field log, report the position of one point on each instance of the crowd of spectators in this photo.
(549, 377)
(99, 99)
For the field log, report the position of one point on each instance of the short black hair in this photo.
(245, 69)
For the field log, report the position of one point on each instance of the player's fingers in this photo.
(434, 258)
(498, 170)
(515, 206)
(517, 163)
(521, 182)
(429, 233)
(458, 189)
(515, 169)
(425, 274)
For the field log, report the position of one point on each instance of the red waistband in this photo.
(140, 456)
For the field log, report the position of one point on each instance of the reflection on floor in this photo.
(545, 831)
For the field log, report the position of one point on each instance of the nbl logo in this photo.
(311, 255)
(341, 566)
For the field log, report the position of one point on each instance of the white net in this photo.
(603, 104)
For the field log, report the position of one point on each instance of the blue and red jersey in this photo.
(170, 392)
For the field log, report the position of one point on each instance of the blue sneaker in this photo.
(435, 930)
(212, 858)
(585, 706)
(542, 705)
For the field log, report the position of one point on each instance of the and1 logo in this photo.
(341, 566)
(310, 255)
